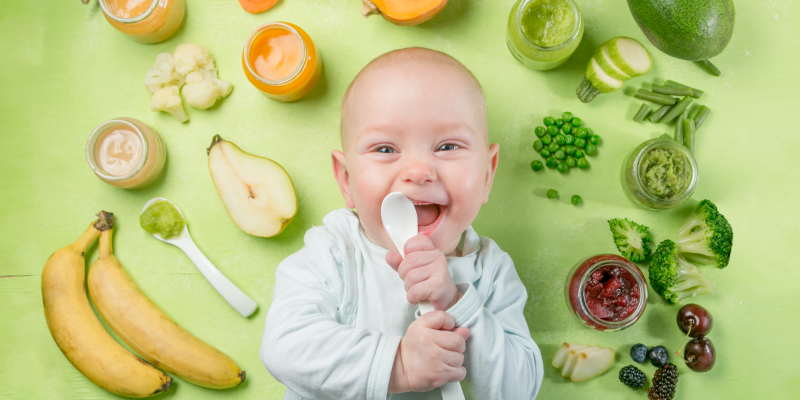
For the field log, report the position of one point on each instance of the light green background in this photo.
(64, 70)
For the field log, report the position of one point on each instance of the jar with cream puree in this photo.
(125, 153)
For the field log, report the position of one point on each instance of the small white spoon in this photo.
(400, 221)
(232, 294)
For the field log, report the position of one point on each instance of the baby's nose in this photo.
(419, 171)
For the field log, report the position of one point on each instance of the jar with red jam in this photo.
(606, 292)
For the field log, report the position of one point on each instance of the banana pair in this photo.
(129, 313)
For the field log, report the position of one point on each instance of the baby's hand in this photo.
(430, 354)
(424, 271)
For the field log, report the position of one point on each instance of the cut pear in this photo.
(560, 358)
(257, 192)
(592, 363)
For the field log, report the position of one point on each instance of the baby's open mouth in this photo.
(428, 216)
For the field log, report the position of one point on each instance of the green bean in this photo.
(643, 112)
(679, 127)
(672, 91)
(696, 93)
(552, 194)
(688, 134)
(655, 97)
(677, 110)
(537, 165)
(700, 116)
(658, 114)
(707, 66)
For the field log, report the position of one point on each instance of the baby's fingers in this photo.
(438, 320)
(394, 260)
(450, 341)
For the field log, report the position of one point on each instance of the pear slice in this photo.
(560, 358)
(591, 363)
(572, 359)
(257, 192)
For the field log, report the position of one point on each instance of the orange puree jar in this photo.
(146, 21)
(125, 153)
(281, 61)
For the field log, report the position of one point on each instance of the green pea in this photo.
(559, 122)
(538, 145)
(589, 132)
(580, 132)
(562, 167)
(578, 142)
(545, 153)
(576, 199)
(576, 122)
(550, 162)
(569, 139)
(578, 153)
(594, 139)
(570, 150)
(560, 155)
(549, 121)
(553, 147)
(560, 139)
(566, 116)
(552, 194)
(567, 129)
(552, 130)
(583, 164)
(540, 131)
(590, 149)
(572, 161)
(537, 165)
(547, 139)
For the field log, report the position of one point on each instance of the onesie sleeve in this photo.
(305, 347)
(501, 359)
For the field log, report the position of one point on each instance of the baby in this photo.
(344, 323)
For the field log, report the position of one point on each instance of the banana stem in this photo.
(105, 225)
(106, 251)
(86, 239)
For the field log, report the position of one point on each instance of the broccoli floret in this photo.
(675, 278)
(632, 240)
(706, 237)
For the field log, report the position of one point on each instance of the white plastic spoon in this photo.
(232, 294)
(400, 221)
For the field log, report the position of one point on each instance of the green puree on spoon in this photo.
(162, 218)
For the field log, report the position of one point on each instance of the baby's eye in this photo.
(446, 147)
(386, 150)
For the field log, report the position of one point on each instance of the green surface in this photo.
(64, 70)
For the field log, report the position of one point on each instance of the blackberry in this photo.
(639, 352)
(659, 356)
(632, 377)
(665, 380)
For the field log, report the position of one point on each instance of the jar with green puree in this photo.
(543, 34)
(659, 174)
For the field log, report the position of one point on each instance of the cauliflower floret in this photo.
(190, 57)
(203, 88)
(162, 74)
(168, 99)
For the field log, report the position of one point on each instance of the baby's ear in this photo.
(342, 176)
(494, 156)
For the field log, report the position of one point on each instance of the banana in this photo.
(149, 331)
(78, 332)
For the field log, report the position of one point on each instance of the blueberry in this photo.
(659, 356)
(639, 352)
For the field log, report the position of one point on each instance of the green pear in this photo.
(257, 192)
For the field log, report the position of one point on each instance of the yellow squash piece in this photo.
(403, 12)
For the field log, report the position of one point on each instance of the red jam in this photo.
(605, 293)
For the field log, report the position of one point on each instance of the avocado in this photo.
(687, 29)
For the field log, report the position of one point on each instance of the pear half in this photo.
(257, 192)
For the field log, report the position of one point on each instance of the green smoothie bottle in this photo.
(543, 34)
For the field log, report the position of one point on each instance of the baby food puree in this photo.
(126, 153)
(543, 34)
(162, 218)
(146, 21)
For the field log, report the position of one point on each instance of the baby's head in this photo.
(414, 121)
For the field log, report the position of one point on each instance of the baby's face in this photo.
(420, 130)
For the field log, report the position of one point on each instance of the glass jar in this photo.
(151, 158)
(296, 83)
(154, 24)
(582, 282)
(634, 175)
(536, 56)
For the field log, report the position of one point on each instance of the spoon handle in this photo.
(450, 390)
(232, 294)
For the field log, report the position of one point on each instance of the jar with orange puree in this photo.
(281, 61)
(146, 21)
